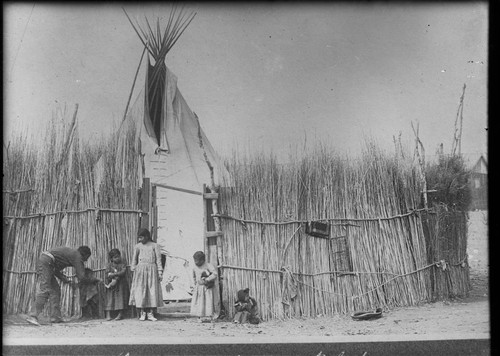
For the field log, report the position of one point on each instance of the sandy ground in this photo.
(468, 316)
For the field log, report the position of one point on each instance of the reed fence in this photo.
(379, 252)
(66, 193)
(383, 250)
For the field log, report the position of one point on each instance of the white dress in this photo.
(145, 291)
(202, 302)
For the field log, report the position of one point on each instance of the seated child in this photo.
(246, 308)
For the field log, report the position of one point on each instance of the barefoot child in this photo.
(204, 277)
(117, 291)
(146, 291)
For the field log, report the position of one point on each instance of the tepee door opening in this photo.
(177, 226)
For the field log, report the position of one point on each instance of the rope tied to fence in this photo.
(289, 286)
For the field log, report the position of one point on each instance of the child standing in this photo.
(117, 291)
(146, 292)
(246, 308)
(204, 277)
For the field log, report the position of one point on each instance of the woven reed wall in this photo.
(383, 260)
(446, 238)
(52, 198)
(381, 252)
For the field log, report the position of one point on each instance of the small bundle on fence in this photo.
(375, 254)
(67, 193)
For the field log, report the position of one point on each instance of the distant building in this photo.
(479, 184)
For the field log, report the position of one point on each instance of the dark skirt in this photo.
(117, 297)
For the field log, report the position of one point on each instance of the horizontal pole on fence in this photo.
(213, 233)
(178, 189)
(272, 222)
(439, 264)
(210, 195)
(39, 215)
(442, 264)
(342, 223)
(18, 191)
(339, 273)
(73, 275)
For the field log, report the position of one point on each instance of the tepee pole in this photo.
(421, 161)
(133, 84)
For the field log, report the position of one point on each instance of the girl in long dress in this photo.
(204, 278)
(145, 292)
(117, 292)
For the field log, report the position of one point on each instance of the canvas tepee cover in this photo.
(180, 159)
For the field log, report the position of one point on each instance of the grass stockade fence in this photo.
(378, 253)
(382, 250)
(66, 193)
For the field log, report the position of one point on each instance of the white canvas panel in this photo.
(180, 235)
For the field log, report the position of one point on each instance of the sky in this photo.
(263, 76)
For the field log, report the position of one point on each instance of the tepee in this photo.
(175, 155)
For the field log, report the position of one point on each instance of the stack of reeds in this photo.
(51, 198)
(446, 235)
(380, 247)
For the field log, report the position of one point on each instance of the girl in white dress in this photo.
(145, 292)
(204, 278)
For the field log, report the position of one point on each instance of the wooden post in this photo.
(218, 228)
(421, 161)
(133, 84)
(154, 214)
(146, 203)
(205, 223)
(214, 256)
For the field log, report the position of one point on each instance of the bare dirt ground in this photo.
(468, 316)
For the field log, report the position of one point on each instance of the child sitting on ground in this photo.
(246, 308)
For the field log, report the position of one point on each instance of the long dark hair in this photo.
(145, 233)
